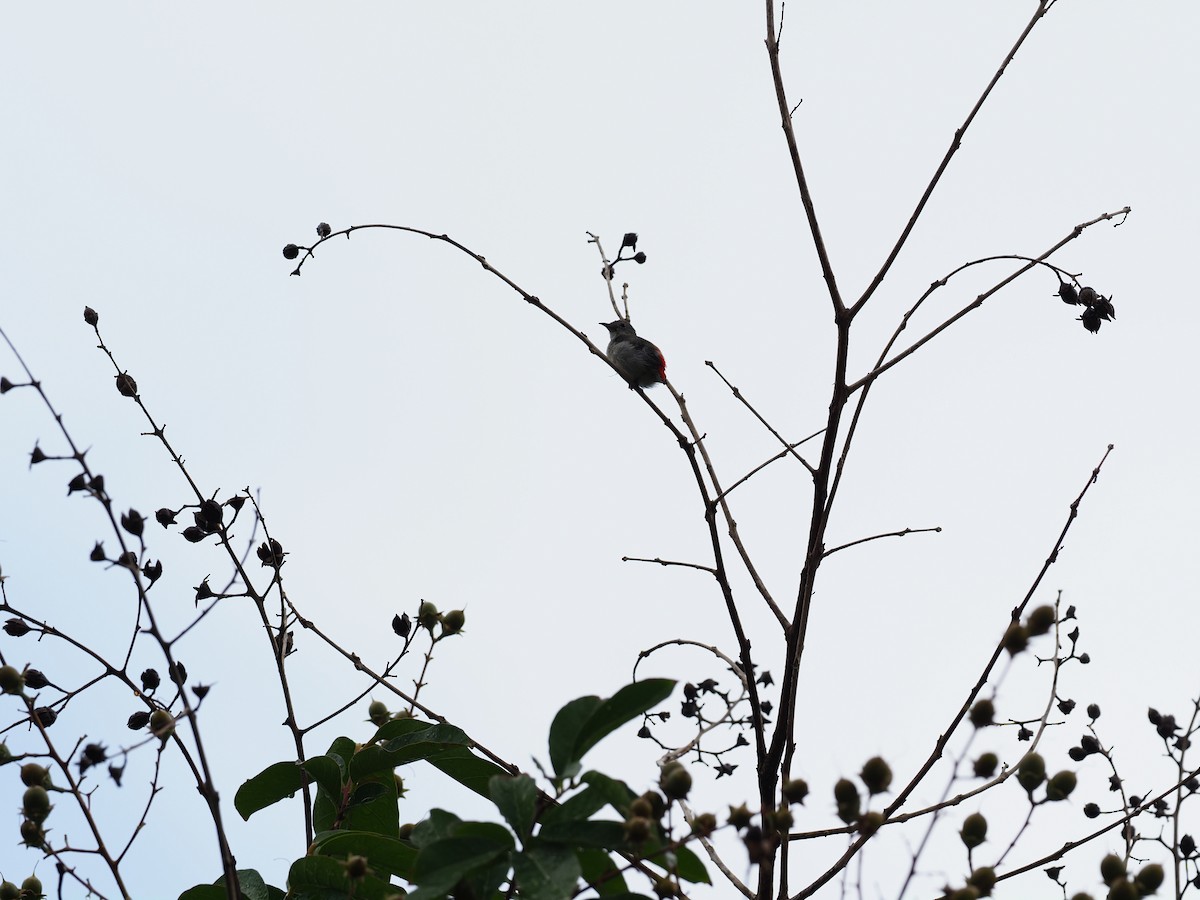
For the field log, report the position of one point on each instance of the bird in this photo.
(637, 360)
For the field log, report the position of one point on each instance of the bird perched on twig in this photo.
(640, 363)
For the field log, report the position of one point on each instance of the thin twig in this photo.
(955, 143)
(788, 448)
(670, 562)
(782, 454)
(875, 537)
(979, 300)
(944, 738)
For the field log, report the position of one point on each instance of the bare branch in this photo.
(876, 537)
(778, 456)
(788, 448)
(940, 744)
(979, 300)
(667, 562)
(789, 133)
(955, 143)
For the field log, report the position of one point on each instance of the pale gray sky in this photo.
(419, 432)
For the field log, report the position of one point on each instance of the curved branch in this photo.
(979, 300)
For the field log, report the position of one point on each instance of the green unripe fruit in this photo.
(1031, 772)
(664, 889)
(740, 816)
(453, 621)
(974, 830)
(1061, 785)
(849, 804)
(637, 829)
(11, 680)
(985, 765)
(356, 867)
(1112, 868)
(427, 615)
(5, 753)
(1082, 896)
(658, 806)
(378, 713)
(1040, 620)
(35, 804)
(845, 791)
(982, 714)
(849, 811)
(32, 833)
(162, 723)
(32, 773)
(1123, 890)
(795, 790)
(876, 774)
(965, 893)
(405, 831)
(641, 807)
(33, 885)
(9, 891)
(983, 880)
(675, 781)
(1149, 879)
(870, 823)
(704, 824)
(1016, 639)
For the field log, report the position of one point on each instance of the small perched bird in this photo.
(639, 361)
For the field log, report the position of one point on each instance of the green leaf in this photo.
(686, 865)
(282, 780)
(690, 868)
(487, 830)
(546, 872)
(323, 878)
(365, 793)
(604, 835)
(467, 769)
(584, 722)
(339, 751)
(274, 783)
(408, 746)
(250, 884)
(678, 861)
(204, 892)
(516, 798)
(373, 806)
(599, 870)
(443, 863)
(386, 855)
(618, 794)
(395, 728)
(601, 791)
(576, 807)
(325, 772)
(325, 811)
(564, 734)
(625, 705)
(440, 824)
